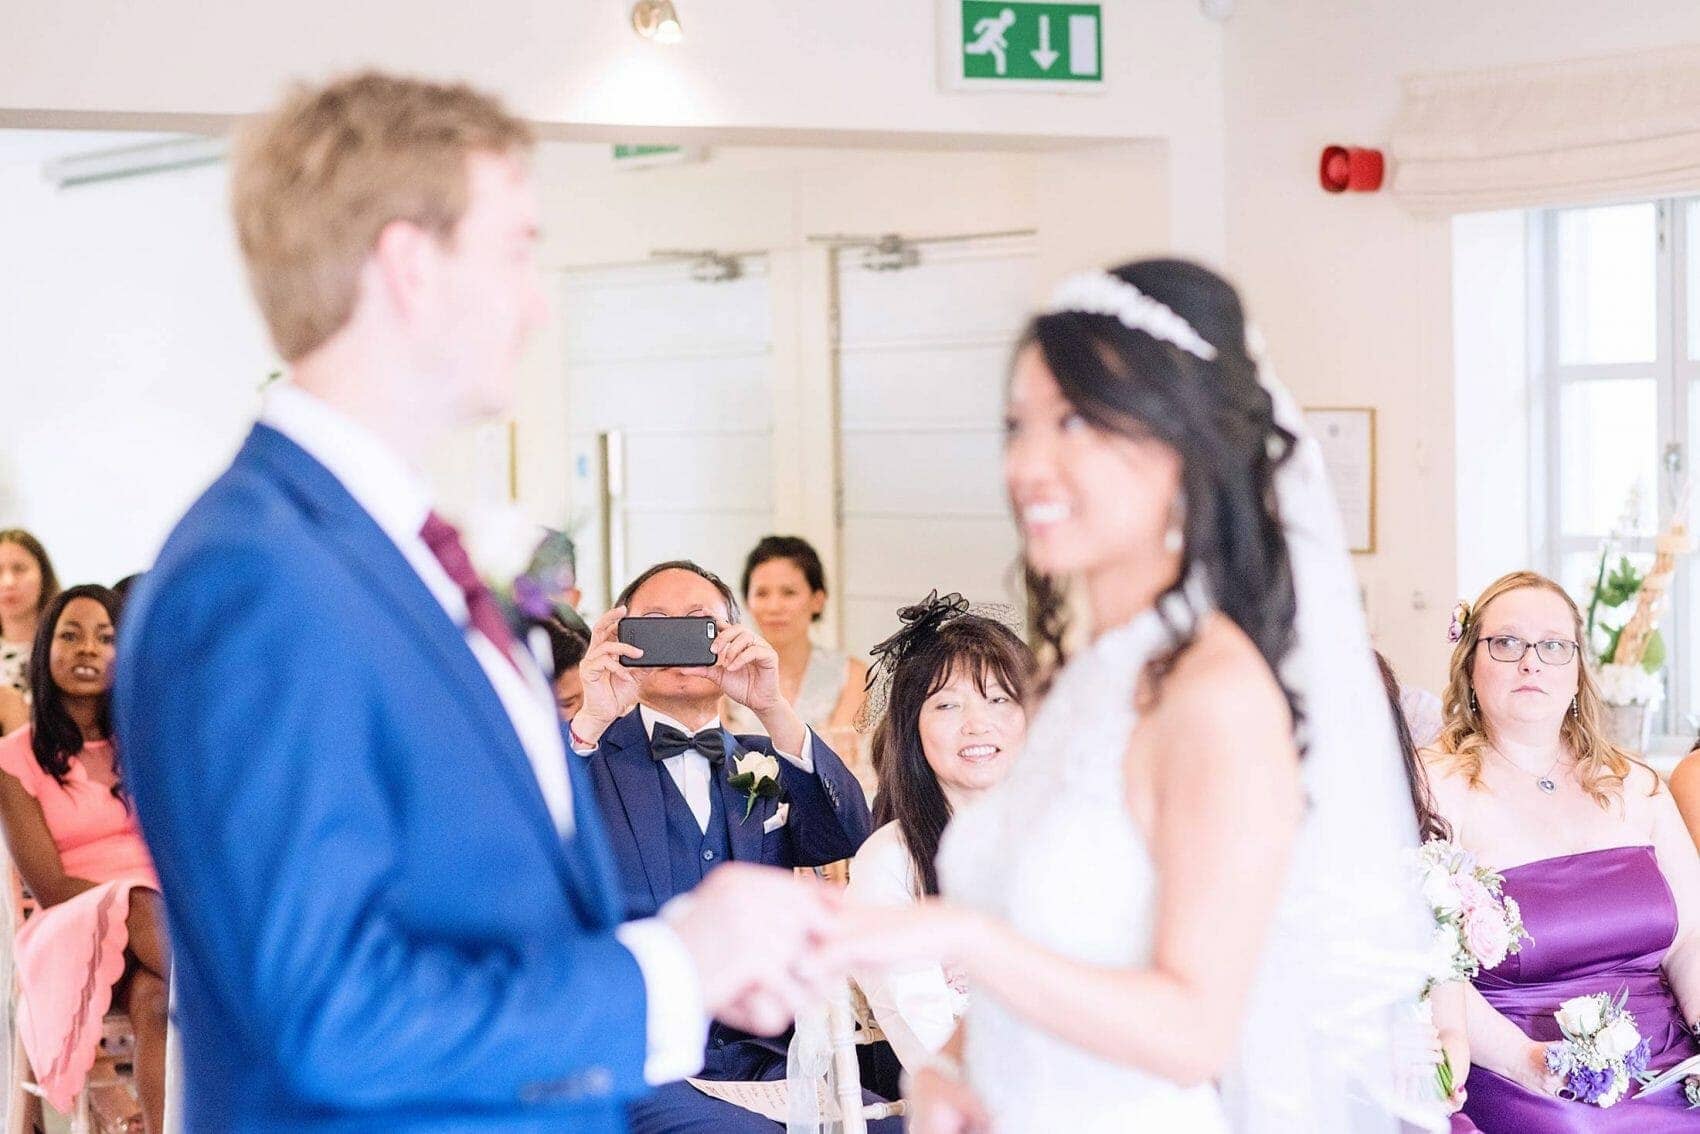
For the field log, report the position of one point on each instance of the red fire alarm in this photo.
(1348, 167)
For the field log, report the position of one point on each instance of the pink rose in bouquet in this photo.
(1473, 894)
(1486, 934)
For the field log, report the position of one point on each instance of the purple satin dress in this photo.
(1601, 921)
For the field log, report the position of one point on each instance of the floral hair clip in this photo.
(1460, 622)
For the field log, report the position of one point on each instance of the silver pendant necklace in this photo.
(1545, 782)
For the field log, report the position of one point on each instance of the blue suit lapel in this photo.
(625, 748)
(744, 834)
(370, 555)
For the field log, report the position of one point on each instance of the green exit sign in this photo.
(643, 155)
(629, 153)
(1008, 43)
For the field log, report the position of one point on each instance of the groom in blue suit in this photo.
(663, 768)
(393, 905)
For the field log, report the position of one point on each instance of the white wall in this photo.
(134, 354)
(1498, 498)
(788, 71)
(1086, 205)
(130, 364)
(1354, 294)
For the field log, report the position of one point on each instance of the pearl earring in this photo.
(1472, 700)
(1174, 538)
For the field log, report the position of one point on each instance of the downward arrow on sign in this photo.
(1044, 56)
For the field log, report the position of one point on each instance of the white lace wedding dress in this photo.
(1054, 853)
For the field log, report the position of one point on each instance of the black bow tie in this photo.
(666, 742)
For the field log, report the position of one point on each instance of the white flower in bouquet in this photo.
(500, 541)
(1476, 926)
(1602, 1052)
(1440, 891)
(1618, 1039)
(1581, 1016)
(1630, 685)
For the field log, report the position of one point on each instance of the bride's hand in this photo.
(942, 1104)
(880, 937)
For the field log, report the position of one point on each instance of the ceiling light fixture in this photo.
(184, 152)
(656, 20)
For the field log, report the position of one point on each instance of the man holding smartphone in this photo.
(681, 796)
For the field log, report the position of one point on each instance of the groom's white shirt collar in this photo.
(379, 480)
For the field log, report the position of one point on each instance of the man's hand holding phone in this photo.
(610, 689)
(747, 670)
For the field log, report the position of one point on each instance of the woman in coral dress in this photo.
(99, 934)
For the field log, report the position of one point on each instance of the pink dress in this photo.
(70, 956)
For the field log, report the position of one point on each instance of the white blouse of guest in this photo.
(916, 1007)
(1423, 714)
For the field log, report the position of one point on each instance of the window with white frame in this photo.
(1615, 356)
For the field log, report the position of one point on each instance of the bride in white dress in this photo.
(1184, 910)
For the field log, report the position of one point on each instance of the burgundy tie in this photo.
(440, 536)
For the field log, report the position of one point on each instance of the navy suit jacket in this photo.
(374, 922)
(828, 817)
(828, 820)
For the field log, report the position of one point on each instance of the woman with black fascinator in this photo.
(1186, 906)
(947, 708)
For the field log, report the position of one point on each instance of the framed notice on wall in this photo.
(1346, 435)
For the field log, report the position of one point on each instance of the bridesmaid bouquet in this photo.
(1602, 1052)
(1476, 925)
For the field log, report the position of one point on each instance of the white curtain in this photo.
(1586, 130)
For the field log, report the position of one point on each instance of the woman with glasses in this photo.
(1591, 847)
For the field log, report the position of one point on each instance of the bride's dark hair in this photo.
(1219, 419)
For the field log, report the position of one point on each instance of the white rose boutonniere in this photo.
(756, 774)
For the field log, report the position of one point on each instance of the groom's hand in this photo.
(753, 932)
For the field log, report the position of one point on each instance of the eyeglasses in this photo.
(1553, 651)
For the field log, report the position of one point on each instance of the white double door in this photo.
(672, 394)
(923, 365)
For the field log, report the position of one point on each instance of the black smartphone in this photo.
(669, 641)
